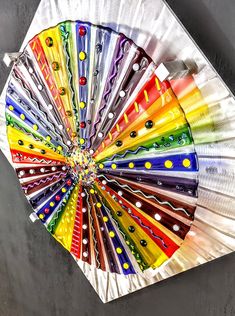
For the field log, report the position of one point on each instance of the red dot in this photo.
(57, 197)
(82, 30)
(82, 81)
(69, 182)
(82, 124)
(47, 210)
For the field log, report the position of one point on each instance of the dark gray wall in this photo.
(37, 277)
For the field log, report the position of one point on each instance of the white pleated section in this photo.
(152, 26)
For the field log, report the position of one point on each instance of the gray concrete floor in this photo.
(37, 277)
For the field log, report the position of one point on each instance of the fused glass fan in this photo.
(123, 150)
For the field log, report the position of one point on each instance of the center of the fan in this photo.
(83, 165)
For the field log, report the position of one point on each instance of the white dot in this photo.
(83, 194)
(100, 135)
(138, 204)
(136, 67)
(191, 233)
(85, 241)
(50, 106)
(104, 182)
(91, 151)
(39, 87)
(21, 173)
(157, 217)
(102, 229)
(176, 228)
(53, 168)
(31, 70)
(122, 93)
(120, 193)
(31, 171)
(69, 142)
(61, 127)
(168, 98)
(85, 254)
(110, 115)
(64, 168)
(84, 226)
(42, 169)
(84, 210)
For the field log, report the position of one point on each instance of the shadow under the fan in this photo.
(17, 20)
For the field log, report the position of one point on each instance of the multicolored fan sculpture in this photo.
(105, 150)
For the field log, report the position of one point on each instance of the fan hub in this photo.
(83, 166)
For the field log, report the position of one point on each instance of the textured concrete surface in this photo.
(38, 277)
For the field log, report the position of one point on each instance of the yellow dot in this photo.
(112, 234)
(82, 55)
(98, 204)
(52, 204)
(92, 191)
(186, 163)
(119, 250)
(148, 165)
(74, 134)
(41, 216)
(82, 141)
(82, 105)
(86, 171)
(35, 127)
(105, 219)
(101, 166)
(114, 166)
(131, 165)
(22, 116)
(59, 148)
(125, 265)
(48, 138)
(168, 164)
(11, 107)
(63, 190)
